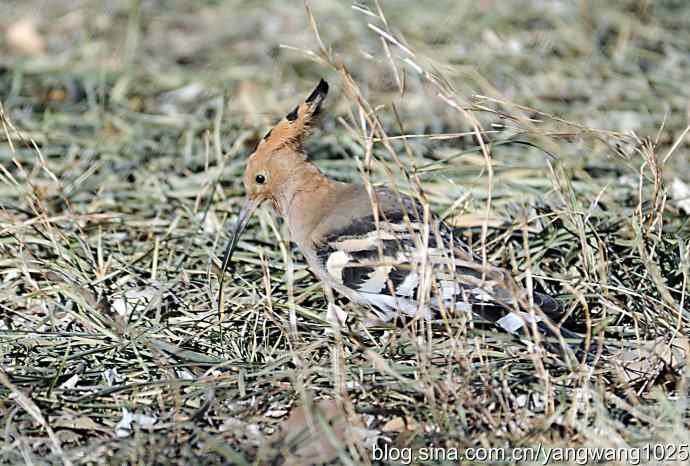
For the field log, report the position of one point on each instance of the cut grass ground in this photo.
(123, 144)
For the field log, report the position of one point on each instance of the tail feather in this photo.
(547, 304)
(517, 322)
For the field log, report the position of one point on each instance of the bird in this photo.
(374, 245)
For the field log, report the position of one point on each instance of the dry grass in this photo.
(550, 133)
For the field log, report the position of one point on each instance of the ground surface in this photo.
(124, 133)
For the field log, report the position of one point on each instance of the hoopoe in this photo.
(374, 247)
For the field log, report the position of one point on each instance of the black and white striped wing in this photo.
(394, 264)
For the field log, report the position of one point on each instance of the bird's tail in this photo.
(519, 322)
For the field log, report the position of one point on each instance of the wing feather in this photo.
(367, 258)
(381, 261)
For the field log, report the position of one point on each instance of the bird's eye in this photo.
(260, 179)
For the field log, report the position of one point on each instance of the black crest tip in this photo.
(320, 91)
(292, 116)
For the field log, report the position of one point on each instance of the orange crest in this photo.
(291, 130)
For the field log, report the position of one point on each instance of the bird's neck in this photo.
(306, 195)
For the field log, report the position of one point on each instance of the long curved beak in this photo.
(250, 205)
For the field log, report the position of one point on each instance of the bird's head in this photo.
(278, 154)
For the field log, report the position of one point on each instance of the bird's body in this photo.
(395, 261)
(374, 245)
